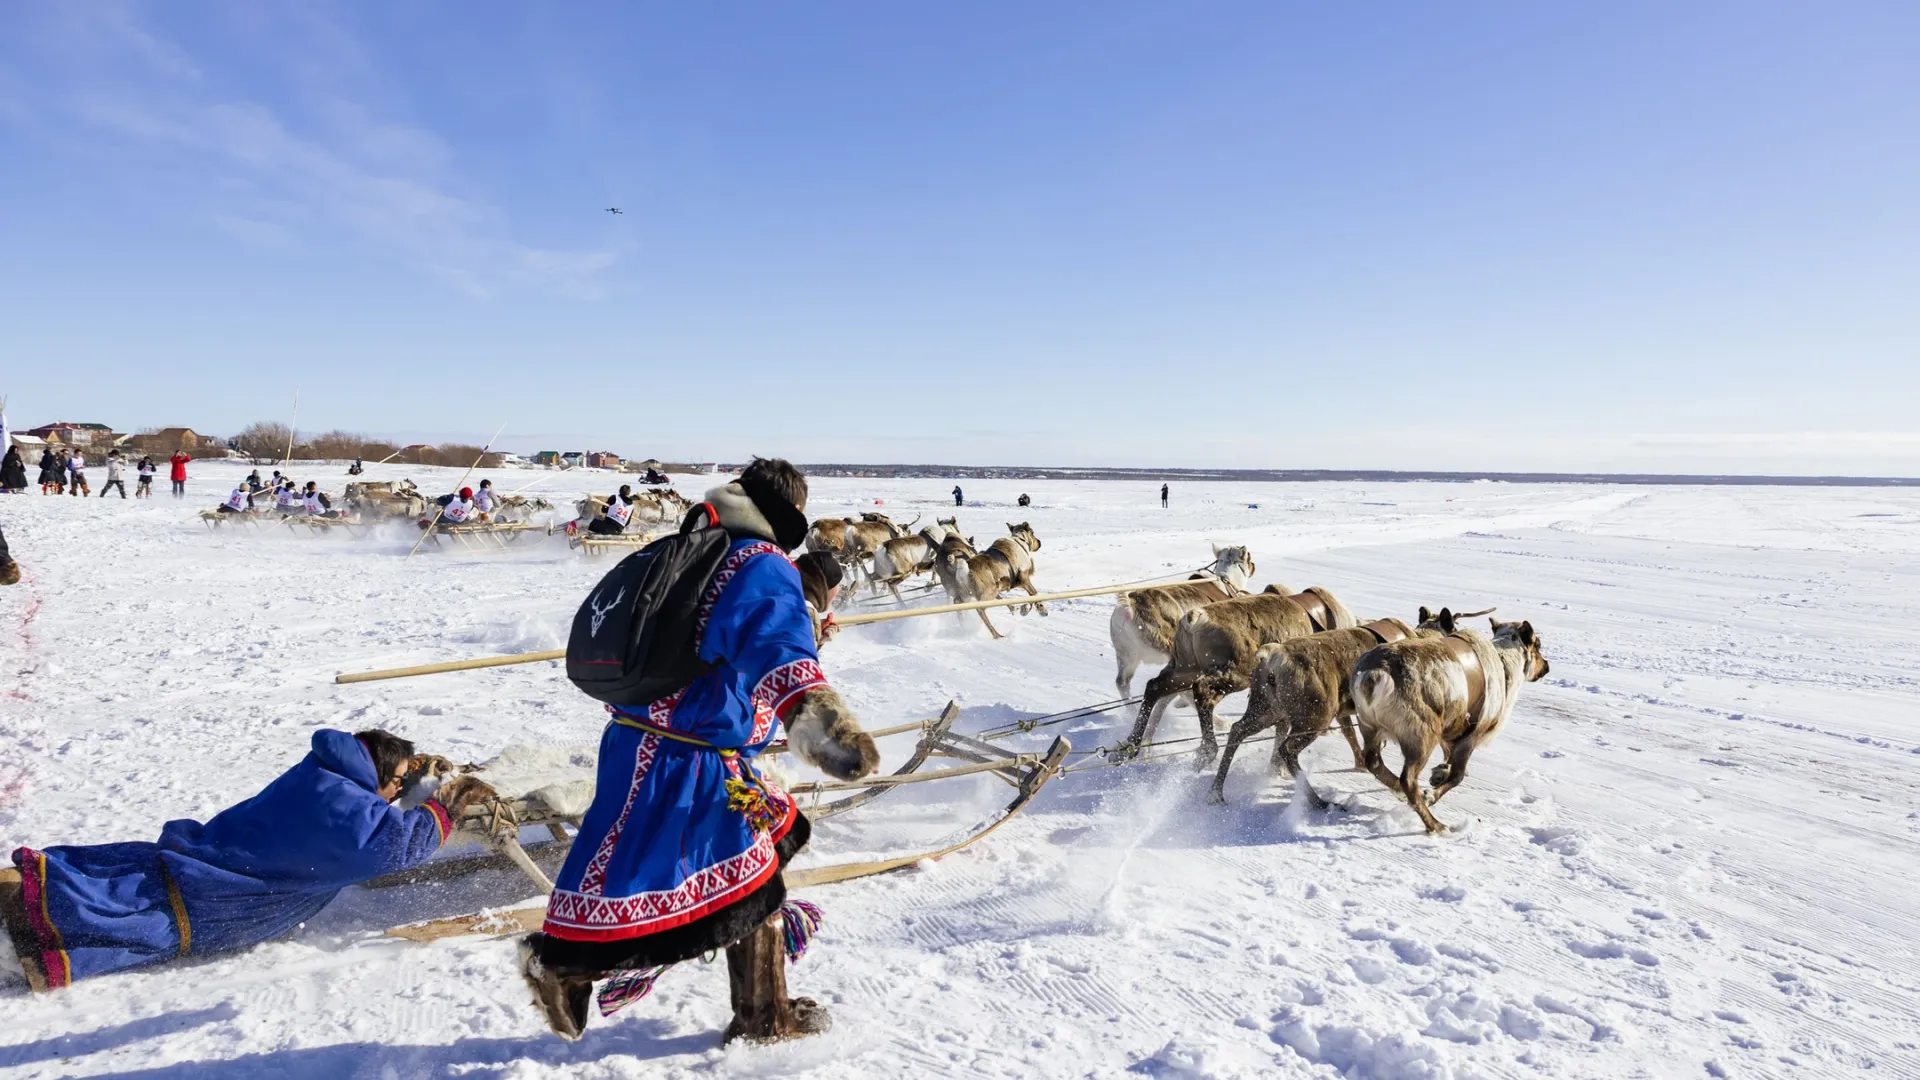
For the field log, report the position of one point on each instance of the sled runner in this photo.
(1032, 778)
(482, 537)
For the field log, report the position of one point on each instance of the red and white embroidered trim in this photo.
(705, 889)
(778, 689)
(594, 877)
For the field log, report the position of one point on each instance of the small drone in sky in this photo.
(613, 210)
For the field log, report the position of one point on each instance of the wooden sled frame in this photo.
(1032, 778)
(215, 519)
(486, 537)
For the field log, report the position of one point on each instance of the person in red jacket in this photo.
(179, 461)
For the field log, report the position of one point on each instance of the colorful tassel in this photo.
(800, 919)
(750, 799)
(627, 987)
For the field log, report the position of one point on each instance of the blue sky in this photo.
(1647, 236)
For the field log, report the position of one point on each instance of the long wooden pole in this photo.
(878, 616)
(441, 508)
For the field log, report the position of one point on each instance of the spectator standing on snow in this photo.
(958, 498)
(77, 475)
(144, 489)
(179, 462)
(13, 472)
(113, 475)
(52, 475)
(1163, 496)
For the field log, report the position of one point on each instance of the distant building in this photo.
(549, 458)
(601, 459)
(174, 440)
(572, 459)
(65, 434)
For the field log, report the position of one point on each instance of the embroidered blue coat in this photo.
(252, 873)
(660, 847)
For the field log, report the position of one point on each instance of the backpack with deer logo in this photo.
(635, 639)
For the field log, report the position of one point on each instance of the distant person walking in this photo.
(179, 462)
(1163, 496)
(77, 475)
(958, 498)
(51, 474)
(144, 489)
(114, 479)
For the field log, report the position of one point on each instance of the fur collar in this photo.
(738, 515)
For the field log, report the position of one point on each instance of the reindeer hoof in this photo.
(1439, 774)
(1216, 797)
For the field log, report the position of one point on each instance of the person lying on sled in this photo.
(254, 872)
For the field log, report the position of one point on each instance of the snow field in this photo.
(1689, 854)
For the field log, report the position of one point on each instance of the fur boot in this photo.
(822, 730)
(561, 999)
(757, 977)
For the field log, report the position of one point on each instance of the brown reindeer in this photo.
(1214, 649)
(903, 556)
(1143, 621)
(1006, 564)
(1302, 685)
(1451, 692)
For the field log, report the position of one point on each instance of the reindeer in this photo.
(520, 508)
(863, 540)
(1302, 685)
(829, 535)
(903, 556)
(1143, 621)
(1452, 692)
(1006, 564)
(1214, 648)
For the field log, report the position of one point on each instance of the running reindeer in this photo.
(1452, 692)
(1303, 685)
(1006, 564)
(1143, 621)
(1214, 648)
(904, 556)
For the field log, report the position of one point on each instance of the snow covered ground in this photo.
(1692, 853)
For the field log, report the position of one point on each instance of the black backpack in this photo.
(636, 639)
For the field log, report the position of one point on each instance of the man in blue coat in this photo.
(254, 872)
(682, 851)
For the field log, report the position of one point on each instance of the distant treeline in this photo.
(267, 442)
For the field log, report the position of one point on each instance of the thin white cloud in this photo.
(341, 164)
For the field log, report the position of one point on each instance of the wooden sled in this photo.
(485, 537)
(215, 519)
(320, 526)
(526, 919)
(620, 544)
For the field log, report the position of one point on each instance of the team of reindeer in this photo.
(880, 554)
(1304, 659)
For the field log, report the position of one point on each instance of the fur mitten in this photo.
(822, 730)
(463, 791)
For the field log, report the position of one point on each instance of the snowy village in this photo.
(1248, 541)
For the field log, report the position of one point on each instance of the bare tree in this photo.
(264, 441)
(463, 455)
(338, 445)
